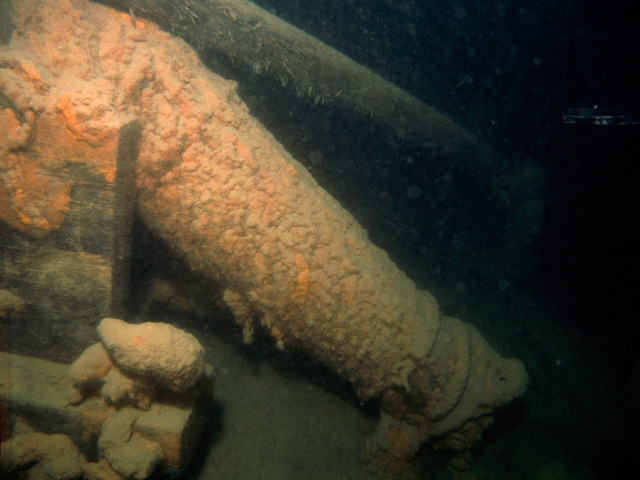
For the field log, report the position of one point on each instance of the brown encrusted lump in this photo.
(94, 372)
(224, 193)
(154, 351)
(133, 361)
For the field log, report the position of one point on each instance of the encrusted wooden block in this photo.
(37, 392)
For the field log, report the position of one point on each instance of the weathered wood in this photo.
(37, 391)
(65, 294)
(125, 198)
(67, 208)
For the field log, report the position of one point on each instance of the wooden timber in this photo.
(69, 266)
(37, 391)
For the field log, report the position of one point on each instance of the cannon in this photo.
(221, 191)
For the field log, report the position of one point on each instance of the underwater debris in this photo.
(158, 352)
(217, 187)
(108, 412)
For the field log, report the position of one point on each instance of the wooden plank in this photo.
(65, 244)
(66, 294)
(37, 391)
(124, 205)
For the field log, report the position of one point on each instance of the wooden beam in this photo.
(37, 392)
(68, 211)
